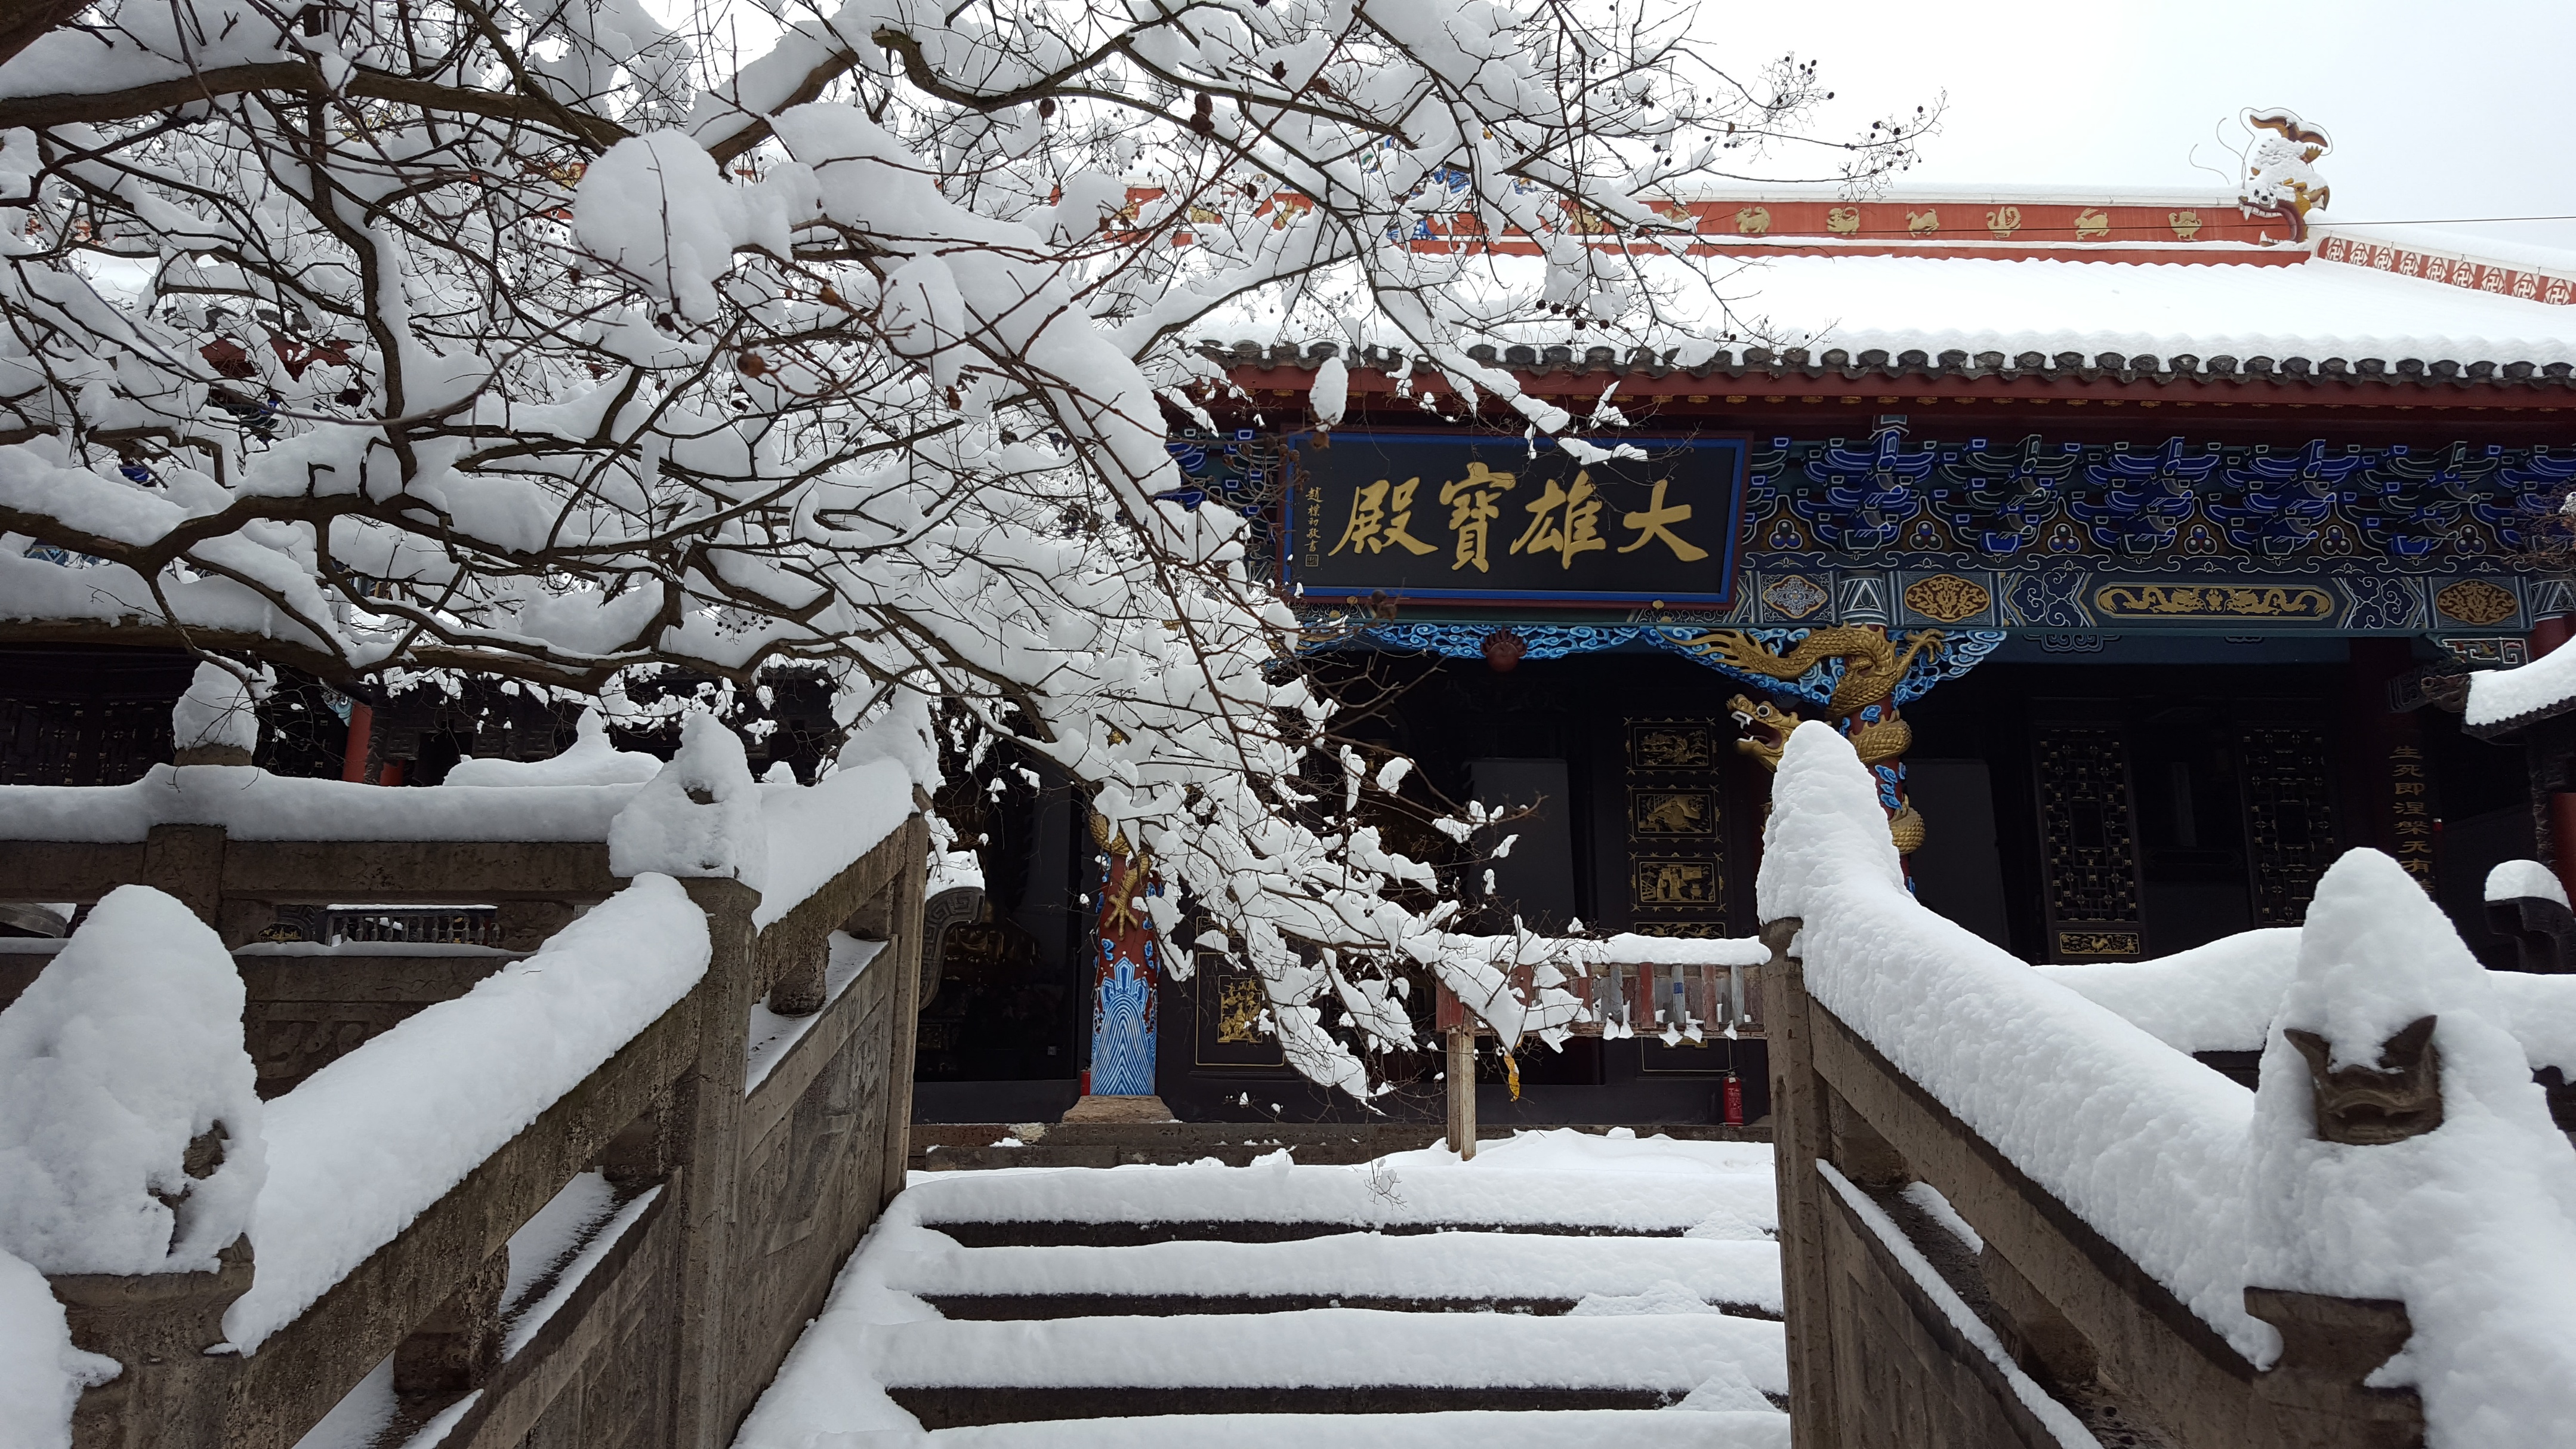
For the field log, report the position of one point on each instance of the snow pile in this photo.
(218, 711)
(41, 1374)
(126, 1049)
(2142, 1142)
(2472, 1224)
(2498, 696)
(2515, 880)
(592, 760)
(2542, 1013)
(365, 1145)
(2214, 998)
(700, 816)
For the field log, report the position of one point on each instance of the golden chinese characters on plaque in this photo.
(1239, 1008)
(1564, 520)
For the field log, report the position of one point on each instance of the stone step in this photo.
(1482, 1429)
(948, 1147)
(958, 1408)
(1000, 1307)
(1136, 1234)
(1444, 1272)
(955, 1372)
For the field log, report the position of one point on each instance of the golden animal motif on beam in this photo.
(2231, 601)
(1843, 221)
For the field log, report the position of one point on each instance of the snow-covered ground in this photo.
(1618, 1265)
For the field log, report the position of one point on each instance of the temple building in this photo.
(2128, 537)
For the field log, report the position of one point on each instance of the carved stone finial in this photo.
(2374, 1106)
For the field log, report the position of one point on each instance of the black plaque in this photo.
(1432, 516)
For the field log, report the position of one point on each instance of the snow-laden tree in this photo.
(546, 338)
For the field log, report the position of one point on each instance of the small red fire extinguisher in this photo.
(1732, 1096)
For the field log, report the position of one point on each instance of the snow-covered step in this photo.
(1561, 1289)
(1333, 1360)
(1508, 1272)
(1722, 1429)
(1660, 1187)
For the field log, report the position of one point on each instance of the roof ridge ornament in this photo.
(2280, 171)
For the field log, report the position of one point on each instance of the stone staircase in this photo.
(1561, 1289)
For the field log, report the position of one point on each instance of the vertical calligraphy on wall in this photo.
(2410, 813)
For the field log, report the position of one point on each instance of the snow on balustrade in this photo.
(365, 1145)
(2222, 997)
(122, 1054)
(2469, 1214)
(592, 760)
(252, 804)
(2142, 1142)
(2397, 1149)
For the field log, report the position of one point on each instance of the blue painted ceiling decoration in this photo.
(2170, 506)
(2039, 536)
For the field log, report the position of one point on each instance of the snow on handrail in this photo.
(368, 1143)
(2144, 1144)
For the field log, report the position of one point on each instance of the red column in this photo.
(2548, 634)
(362, 734)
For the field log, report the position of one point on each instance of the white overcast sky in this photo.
(2454, 108)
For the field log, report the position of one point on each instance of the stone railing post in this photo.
(710, 1158)
(187, 863)
(173, 1394)
(1801, 1129)
(895, 917)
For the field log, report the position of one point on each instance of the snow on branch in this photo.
(557, 341)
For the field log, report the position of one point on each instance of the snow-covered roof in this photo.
(2344, 313)
(2502, 700)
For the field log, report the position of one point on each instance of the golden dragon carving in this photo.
(1873, 665)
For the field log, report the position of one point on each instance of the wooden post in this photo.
(1799, 1128)
(1462, 1092)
